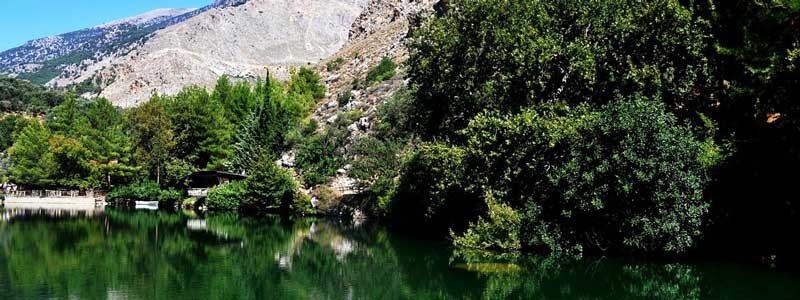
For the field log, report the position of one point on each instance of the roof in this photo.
(227, 175)
(209, 179)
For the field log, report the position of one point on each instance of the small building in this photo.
(198, 183)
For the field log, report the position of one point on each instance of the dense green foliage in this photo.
(269, 187)
(577, 126)
(24, 97)
(83, 145)
(625, 178)
(90, 144)
(583, 129)
(504, 55)
(144, 191)
(151, 130)
(319, 156)
(228, 196)
(386, 69)
(10, 127)
(52, 68)
(202, 133)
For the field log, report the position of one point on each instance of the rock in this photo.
(352, 105)
(341, 171)
(287, 159)
(333, 78)
(363, 123)
(332, 119)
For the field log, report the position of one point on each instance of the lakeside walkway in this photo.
(53, 199)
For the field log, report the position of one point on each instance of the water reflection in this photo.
(159, 255)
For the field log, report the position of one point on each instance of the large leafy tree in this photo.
(624, 178)
(10, 126)
(202, 133)
(489, 55)
(152, 135)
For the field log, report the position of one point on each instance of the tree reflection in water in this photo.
(162, 255)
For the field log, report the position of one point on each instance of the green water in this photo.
(116, 254)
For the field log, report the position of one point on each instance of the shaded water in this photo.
(115, 254)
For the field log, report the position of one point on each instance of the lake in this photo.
(122, 254)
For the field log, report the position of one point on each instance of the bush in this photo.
(170, 196)
(328, 199)
(271, 186)
(344, 98)
(228, 196)
(499, 230)
(335, 64)
(395, 119)
(386, 69)
(637, 178)
(302, 204)
(626, 178)
(144, 191)
(318, 157)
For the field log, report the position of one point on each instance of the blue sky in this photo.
(24, 20)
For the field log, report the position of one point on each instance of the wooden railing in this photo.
(198, 193)
(56, 194)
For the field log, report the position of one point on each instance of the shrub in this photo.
(144, 191)
(227, 196)
(499, 230)
(386, 69)
(302, 204)
(626, 178)
(349, 117)
(318, 156)
(344, 97)
(635, 179)
(335, 64)
(395, 119)
(271, 186)
(170, 196)
(328, 199)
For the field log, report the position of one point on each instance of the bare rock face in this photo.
(380, 31)
(242, 39)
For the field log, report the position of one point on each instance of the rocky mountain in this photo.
(243, 40)
(43, 59)
(380, 31)
(165, 50)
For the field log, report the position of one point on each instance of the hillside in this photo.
(43, 59)
(243, 41)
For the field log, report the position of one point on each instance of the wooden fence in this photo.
(56, 194)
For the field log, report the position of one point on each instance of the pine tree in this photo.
(262, 134)
(31, 166)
